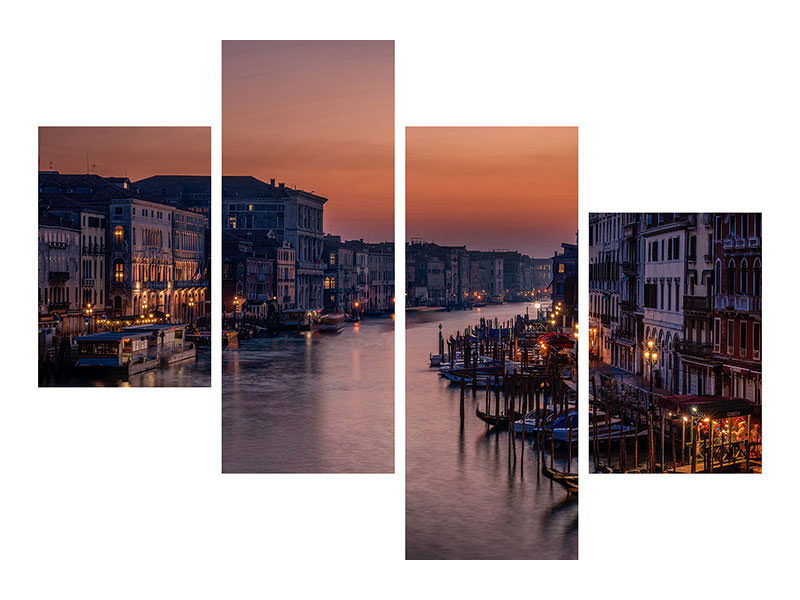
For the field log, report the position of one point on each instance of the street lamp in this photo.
(88, 318)
(650, 355)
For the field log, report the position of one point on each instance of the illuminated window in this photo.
(118, 234)
(561, 267)
(327, 283)
(119, 270)
(232, 222)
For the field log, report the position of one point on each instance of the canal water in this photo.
(462, 500)
(311, 402)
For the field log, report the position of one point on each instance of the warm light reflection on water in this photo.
(310, 402)
(462, 502)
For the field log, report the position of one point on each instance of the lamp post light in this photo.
(650, 356)
(88, 318)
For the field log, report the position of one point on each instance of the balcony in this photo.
(93, 249)
(629, 266)
(697, 303)
(625, 334)
(754, 242)
(88, 283)
(629, 305)
(58, 245)
(629, 230)
(738, 303)
(58, 276)
(701, 350)
(58, 306)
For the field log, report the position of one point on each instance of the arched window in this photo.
(327, 283)
(743, 276)
(718, 276)
(119, 270)
(731, 277)
(118, 234)
(757, 278)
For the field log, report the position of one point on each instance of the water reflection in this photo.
(463, 501)
(187, 373)
(310, 402)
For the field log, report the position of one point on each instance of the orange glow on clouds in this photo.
(318, 115)
(513, 188)
(135, 152)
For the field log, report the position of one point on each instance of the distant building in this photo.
(564, 287)
(257, 208)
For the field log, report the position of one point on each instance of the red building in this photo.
(737, 304)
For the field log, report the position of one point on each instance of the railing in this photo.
(58, 276)
(58, 245)
(628, 266)
(737, 302)
(58, 306)
(754, 242)
(629, 305)
(741, 243)
(697, 303)
(93, 249)
(727, 243)
(88, 282)
(696, 348)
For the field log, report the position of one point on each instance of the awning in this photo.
(714, 407)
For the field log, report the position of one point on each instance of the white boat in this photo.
(332, 323)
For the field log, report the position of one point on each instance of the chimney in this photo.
(281, 185)
(272, 182)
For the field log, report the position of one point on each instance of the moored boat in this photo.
(332, 323)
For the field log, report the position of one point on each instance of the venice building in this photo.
(256, 208)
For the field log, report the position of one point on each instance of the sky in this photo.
(135, 152)
(318, 115)
(510, 188)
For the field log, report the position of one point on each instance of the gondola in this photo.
(568, 480)
(494, 420)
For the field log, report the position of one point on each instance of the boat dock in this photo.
(679, 433)
(524, 371)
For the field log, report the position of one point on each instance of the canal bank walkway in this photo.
(596, 368)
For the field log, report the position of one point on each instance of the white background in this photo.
(118, 493)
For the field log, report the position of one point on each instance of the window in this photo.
(757, 278)
(731, 276)
(730, 337)
(743, 275)
(718, 228)
(118, 234)
(560, 267)
(756, 340)
(718, 276)
(119, 271)
(743, 338)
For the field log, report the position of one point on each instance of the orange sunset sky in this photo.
(135, 152)
(512, 188)
(318, 115)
